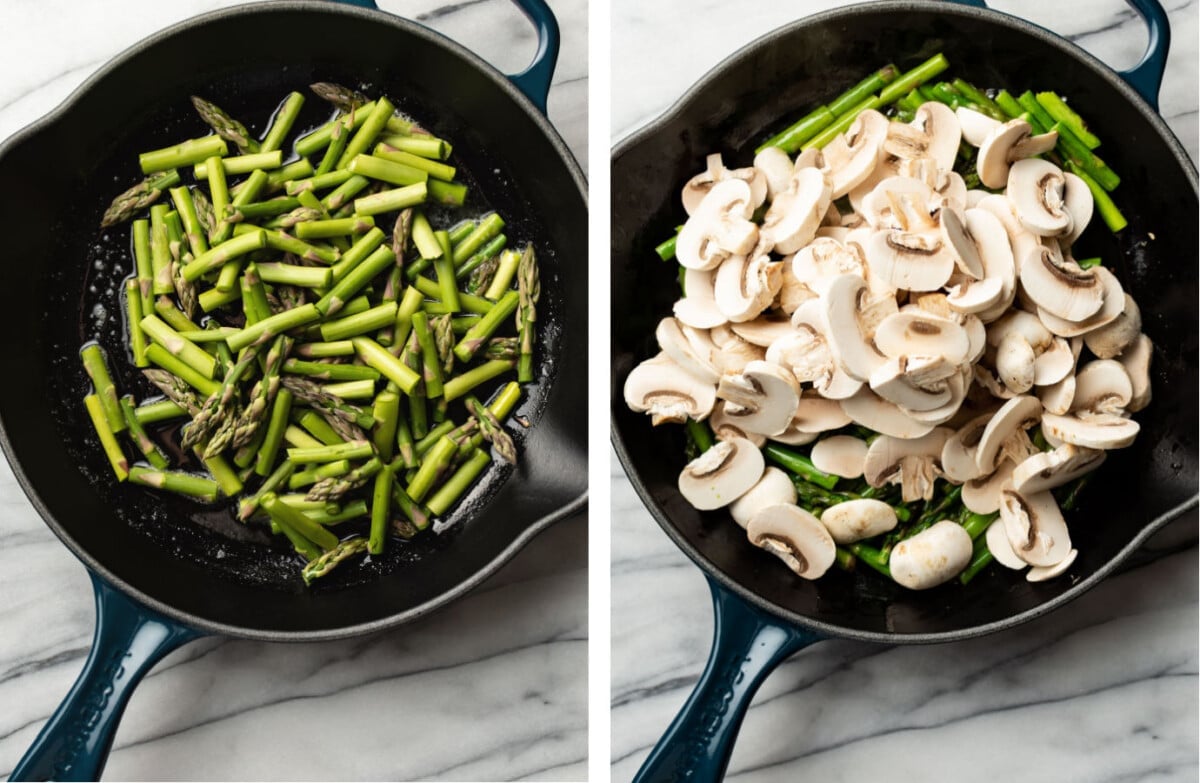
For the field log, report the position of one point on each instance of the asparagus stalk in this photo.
(185, 372)
(344, 98)
(392, 200)
(108, 439)
(380, 507)
(184, 154)
(322, 565)
(457, 484)
(529, 288)
(492, 431)
(477, 336)
(281, 124)
(434, 462)
(510, 261)
(305, 478)
(799, 464)
(276, 426)
(180, 483)
(138, 197)
(429, 356)
(225, 126)
(417, 515)
(375, 318)
(97, 369)
(371, 126)
(375, 355)
(290, 518)
(269, 328)
(429, 147)
(328, 405)
(333, 488)
(461, 384)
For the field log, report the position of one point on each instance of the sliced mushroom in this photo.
(1102, 387)
(719, 228)
(1035, 527)
(1049, 469)
(914, 464)
(764, 330)
(794, 536)
(855, 520)
(1136, 361)
(1057, 397)
(840, 455)
(745, 286)
(976, 127)
(668, 392)
(914, 261)
(1043, 573)
(1035, 188)
(726, 427)
(901, 203)
(818, 262)
(776, 169)
(1054, 363)
(842, 307)
(942, 131)
(1079, 202)
(958, 453)
(806, 352)
(1060, 286)
(894, 382)
(982, 493)
(761, 399)
(975, 296)
(1114, 337)
(699, 186)
(699, 307)
(1018, 414)
(1020, 322)
(792, 219)
(1002, 552)
(1005, 144)
(850, 158)
(875, 413)
(816, 414)
(1114, 304)
(722, 474)
(1095, 432)
(792, 293)
(1015, 363)
(773, 488)
(675, 344)
(996, 255)
(931, 557)
(733, 353)
(922, 334)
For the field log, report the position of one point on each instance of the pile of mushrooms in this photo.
(950, 321)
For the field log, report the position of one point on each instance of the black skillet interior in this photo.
(786, 75)
(64, 278)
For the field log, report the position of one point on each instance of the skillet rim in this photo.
(532, 529)
(695, 92)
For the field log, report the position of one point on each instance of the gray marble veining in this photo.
(1104, 690)
(494, 687)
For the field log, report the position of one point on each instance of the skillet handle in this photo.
(129, 640)
(534, 81)
(1145, 77)
(748, 644)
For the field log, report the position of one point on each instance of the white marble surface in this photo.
(1103, 690)
(493, 688)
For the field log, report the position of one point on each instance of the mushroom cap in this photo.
(699, 307)
(792, 293)
(668, 392)
(840, 455)
(895, 460)
(1136, 361)
(997, 542)
(1015, 363)
(931, 557)
(792, 219)
(1094, 432)
(958, 453)
(976, 127)
(1111, 339)
(982, 494)
(816, 414)
(675, 343)
(773, 488)
(727, 427)
(855, 520)
(1061, 287)
(1102, 386)
(1113, 306)
(1049, 469)
(841, 306)
(1054, 363)
(920, 333)
(996, 152)
(1043, 573)
(1019, 413)
(794, 536)
(722, 474)
(766, 395)
(1079, 202)
(719, 227)
(875, 413)
(1035, 527)
(776, 169)
(942, 130)
(745, 286)
(914, 261)
(1035, 188)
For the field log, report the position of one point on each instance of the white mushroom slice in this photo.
(794, 536)
(675, 344)
(1060, 286)
(726, 427)
(958, 453)
(1114, 337)
(1114, 304)
(976, 337)
(975, 296)
(698, 186)
(985, 379)
(891, 381)
(1035, 527)
(1019, 413)
(668, 392)
(875, 413)
(1043, 573)
(922, 334)
(1054, 363)
(764, 330)
(841, 306)
(840, 455)
(1079, 202)
(816, 414)
(807, 353)
(1020, 322)
(942, 130)
(855, 520)
(776, 168)
(1002, 551)
(960, 244)
(792, 293)
(931, 557)
(810, 158)
(974, 196)
(915, 261)
(838, 233)
(879, 205)
(765, 396)
(818, 262)
(699, 307)
(1015, 363)
(1035, 188)
(795, 437)
(773, 488)
(958, 385)
(1006, 143)
(914, 464)
(1057, 397)
(744, 287)
(1136, 361)
(732, 355)
(792, 219)
(1049, 469)
(719, 228)
(1094, 432)
(850, 158)
(722, 474)
(1102, 386)
(1022, 241)
(975, 126)
(982, 493)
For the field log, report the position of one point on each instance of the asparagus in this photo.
(529, 289)
(381, 496)
(491, 430)
(799, 464)
(282, 123)
(430, 359)
(417, 515)
(457, 484)
(329, 406)
(263, 394)
(344, 98)
(332, 488)
(288, 517)
(315, 424)
(276, 426)
(371, 126)
(186, 153)
(218, 409)
(426, 146)
(180, 483)
(322, 565)
(477, 336)
(225, 126)
(375, 355)
(138, 197)
(443, 266)
(177, 391)
(185, 372)
(392, 200)
(97, 369)
(310, 476)
(269, 328)
(108, 439)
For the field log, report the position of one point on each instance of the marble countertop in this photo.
(492, 688)
(1103, 690)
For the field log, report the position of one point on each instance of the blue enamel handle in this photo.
(534, 81)
(129, 640)
(748, 644)
(1145, 77)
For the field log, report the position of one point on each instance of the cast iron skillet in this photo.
(763, 612)
(162, 578)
